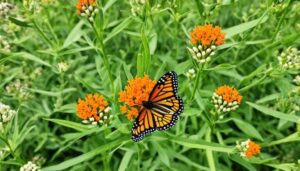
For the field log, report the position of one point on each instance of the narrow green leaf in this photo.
(232, 31)
(162, 153)
(67, 108)
(108, 4)
(291, 138)
(146, 53)
(127, 71)
(19, 22)
(126, 159)
(247, 129)
(84, 157)
(188, 161)
(268, 98)
(29, 56)
(74, 34)
(242, 162)
(209, 152)
(74, 125)
(285, 166)
(200, 144)
(50, 93)
(140, 65)
(221, 67)
(153, 43)
(274, 113)
(118, 29)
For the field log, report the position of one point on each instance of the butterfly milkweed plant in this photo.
(149, 85)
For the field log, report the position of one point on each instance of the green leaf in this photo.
(274, 113)
(74, 35)
(31, 57)
(19, 22)
(221, 67)
(146, 55)
(188, 161)
(162, 153)
(209, 152)
(285, 166)
(153, 43)
(140, 65)
(200, 144)
(291, 138)
(51, 93)
(127, 71)
(232, 31)
(247, 129)
(67, 108)
(118, 29)
(84, 157)
(108, 4)
(125, 161)
(268, 98)
(74, 125)
(242, 162)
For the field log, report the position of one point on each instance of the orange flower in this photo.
(229, 94)
(248, 148)
(137, 90)
(92, 107)
(83, 5)
(226, 99)
(207, 35)
(253, 149)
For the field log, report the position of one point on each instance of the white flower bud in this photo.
(200, 47)
(208, 50)
(199, 55)
(107, 109)
(195, 49)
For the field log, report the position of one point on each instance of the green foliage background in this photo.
(153, 42)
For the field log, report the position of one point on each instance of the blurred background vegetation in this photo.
(49, 57)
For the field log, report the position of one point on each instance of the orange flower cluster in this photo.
(207, 35)
(229, 94)
(91, 107)
(248, 148)
(253, 149)
(84, 4)
(137, 90)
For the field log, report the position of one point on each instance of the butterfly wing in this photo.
(167, 104)
(166, 108)
(143, 125)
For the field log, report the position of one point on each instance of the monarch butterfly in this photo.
(162, 109)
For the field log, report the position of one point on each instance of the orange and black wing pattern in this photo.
(143, 125)
(166, 109)
(167, 104)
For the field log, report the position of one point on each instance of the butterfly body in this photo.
(147, 104)
(162, 109)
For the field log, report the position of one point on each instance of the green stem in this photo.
(8, 145)
(38, 29)
(101, 52)
(209, 152)
(280, 22)
(200, 70)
